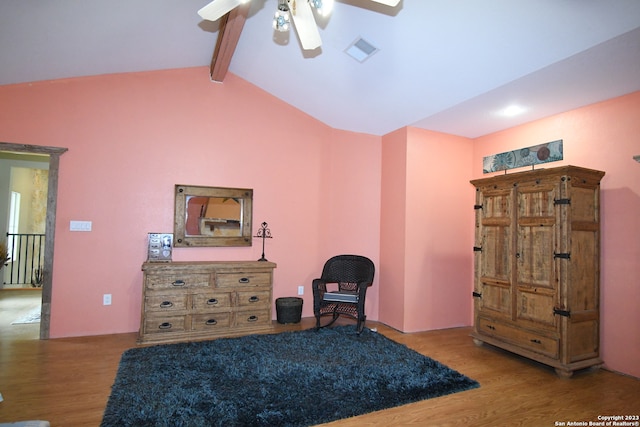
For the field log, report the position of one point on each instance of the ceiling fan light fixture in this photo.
(322, 7)
(281, 19)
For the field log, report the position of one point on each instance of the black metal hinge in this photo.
(562, 255)
(562, 202)
(477, 294)
(477, 249)
(476, 207)
(565, 313)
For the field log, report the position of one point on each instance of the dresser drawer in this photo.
(210, 321)
(252, 318)
(165, 303)
(256, 299)
(164, 324)
(176, 281)
(212, 301)
(528, 340)
(242, 279)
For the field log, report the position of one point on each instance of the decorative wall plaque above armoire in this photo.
(537, 251)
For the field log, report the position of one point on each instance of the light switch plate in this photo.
(80, 226)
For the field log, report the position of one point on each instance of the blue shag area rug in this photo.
(299, 378)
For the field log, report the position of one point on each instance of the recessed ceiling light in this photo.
(361, 50)
(512, 110)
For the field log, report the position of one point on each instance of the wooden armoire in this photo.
(537, 251)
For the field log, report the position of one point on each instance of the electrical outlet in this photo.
(300, 290)
(106, 299)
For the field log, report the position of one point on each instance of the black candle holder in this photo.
(264, 233)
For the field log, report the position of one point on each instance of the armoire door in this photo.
(536, 285)
(494, 269)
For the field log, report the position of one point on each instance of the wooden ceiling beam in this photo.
(231, 26)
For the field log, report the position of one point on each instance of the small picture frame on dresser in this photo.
(160, 246)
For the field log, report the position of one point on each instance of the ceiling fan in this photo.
(300, 12)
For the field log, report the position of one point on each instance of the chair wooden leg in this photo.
(334, 318)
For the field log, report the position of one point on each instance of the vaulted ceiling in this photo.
(444, 65)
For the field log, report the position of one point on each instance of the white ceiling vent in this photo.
(361, 50)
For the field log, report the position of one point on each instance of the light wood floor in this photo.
(14, 304)
(67, 382)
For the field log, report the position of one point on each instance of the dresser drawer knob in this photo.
(166, 304)
(211, 322)
(165, 325)
(178, 283)
(254, 299)
(212, 301)
(536, 341)
(252, 319)
(244, 280)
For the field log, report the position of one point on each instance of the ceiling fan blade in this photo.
(218, 8)
(305, 24)
(391, 3)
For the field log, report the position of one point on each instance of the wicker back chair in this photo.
(342, 289)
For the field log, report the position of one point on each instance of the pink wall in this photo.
(393, 236)
(350, 203)
(603, 136)
(440, 215)
(426, 254)
(132, 137)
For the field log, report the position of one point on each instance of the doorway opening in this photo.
(29, 250)
(25, 223)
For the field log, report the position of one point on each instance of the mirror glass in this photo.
(212, 216)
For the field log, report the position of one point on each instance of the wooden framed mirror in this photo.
(212, 216)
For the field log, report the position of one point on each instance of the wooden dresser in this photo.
(185, 301)
(537, 252)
